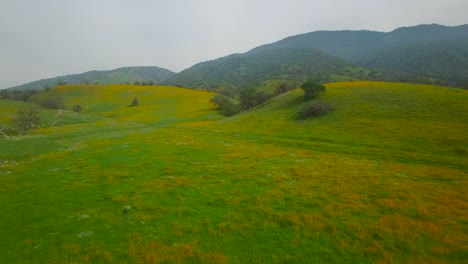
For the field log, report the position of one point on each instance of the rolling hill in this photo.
(120, 75)
(425, 53)
(382, 178)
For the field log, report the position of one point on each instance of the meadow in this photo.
(382, 178)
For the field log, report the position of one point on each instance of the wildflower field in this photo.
(382, 178)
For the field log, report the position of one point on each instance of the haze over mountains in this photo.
(424, 53)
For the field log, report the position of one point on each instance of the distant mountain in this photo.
(290, 64)
(424, 53)
(120, 75)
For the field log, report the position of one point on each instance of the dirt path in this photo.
(58, 113)
(3, 133)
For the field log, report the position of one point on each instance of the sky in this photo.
(48, 38)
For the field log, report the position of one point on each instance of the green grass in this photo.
(377, 180)
(49, 118)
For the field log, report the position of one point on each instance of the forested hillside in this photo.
(425, 53)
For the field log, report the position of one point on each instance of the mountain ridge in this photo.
(119, 75)
(362, 48)
(426, 53)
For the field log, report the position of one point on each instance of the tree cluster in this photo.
(19, 95)
(51, 101)
(148, 83)
(225, 105)
(247, 99)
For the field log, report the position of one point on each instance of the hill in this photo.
(120, 75)
(425, 53)
(48, 118)
(157, 104)
(397, 117)
(431, 52)
(291, 65)
(379, 179)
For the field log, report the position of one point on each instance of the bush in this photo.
(317, 109)
(52, 102)
(135, 102)
(77, 108)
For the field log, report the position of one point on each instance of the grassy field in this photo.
(380, 179)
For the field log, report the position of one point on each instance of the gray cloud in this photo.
(46, 38)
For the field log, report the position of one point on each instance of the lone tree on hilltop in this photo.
(312, 89)
(28, 117)
(135, 102)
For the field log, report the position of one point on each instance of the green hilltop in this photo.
(381, 178)
(121, 75)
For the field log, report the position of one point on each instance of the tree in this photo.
(28, 117)
(224, 105)
(135, 102)
(250, 98)
(137, 83)
(312, 89)
(77, 108)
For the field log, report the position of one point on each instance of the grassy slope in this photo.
(364, 184)
(158, 104)
(380, 118)
(49, 118)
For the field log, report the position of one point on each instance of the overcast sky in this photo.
(47, 38)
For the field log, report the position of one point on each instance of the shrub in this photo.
(317, 109)
(126, 209)
(135, 102)
(77, 108)
(51, 102)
